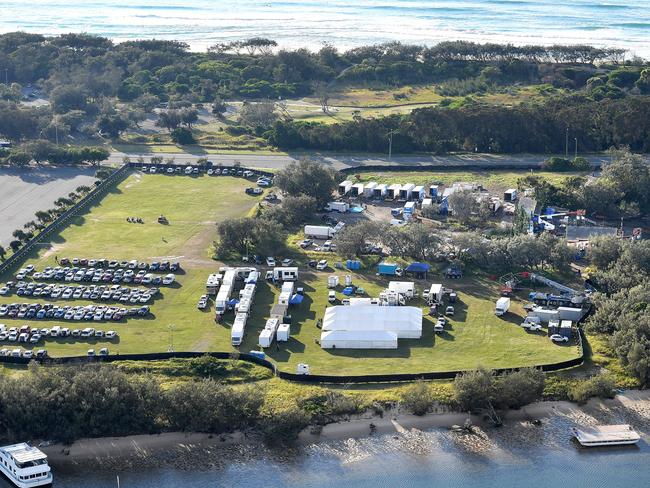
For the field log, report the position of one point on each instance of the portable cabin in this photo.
(227, 285)
(357, 190)
(392, 192)
(418, 193)
(285, 274)
(380, 191)
(285, 293)
(510, 195)
(344, 187)
(369, 189)
(427, 202)
(268, 333)
(566, 328)
(332, 281)
(433, 192)
(406, 191)
(283, 333)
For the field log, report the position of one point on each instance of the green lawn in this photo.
(193, 206)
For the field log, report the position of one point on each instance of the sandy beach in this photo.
(181, 450)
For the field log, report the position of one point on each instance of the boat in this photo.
(25, 466)
(606, 435)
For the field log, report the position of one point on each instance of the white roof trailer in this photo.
(393, 191)
(406, 191)
(212, 283)
(418, 193)
(368, 190)
(285, 274)
(380, 191)
(435, 293)
(286, 293)
(344, 187)
(238, 329)
(225, 291)
(357, 190)
(268, 333)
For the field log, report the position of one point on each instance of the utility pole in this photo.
(56, 134)
(566, 145)
(576, 151)
(390, 144)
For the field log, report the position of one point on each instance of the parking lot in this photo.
(23, 192)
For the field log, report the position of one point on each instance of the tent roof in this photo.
(417, 268)
(372, 318)
(359, 335)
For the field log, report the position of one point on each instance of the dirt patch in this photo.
(137, 178)
(53, 249)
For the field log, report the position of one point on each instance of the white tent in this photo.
(405, 322)
(351, 339)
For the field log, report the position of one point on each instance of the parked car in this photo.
(103, 352)
(559, 338)
(287, 262)
(270, 261)
(450, 310)
(322, 264)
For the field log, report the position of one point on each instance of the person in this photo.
(56, 259)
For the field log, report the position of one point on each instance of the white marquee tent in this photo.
(358, 339)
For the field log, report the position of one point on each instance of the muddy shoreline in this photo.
(543, 423)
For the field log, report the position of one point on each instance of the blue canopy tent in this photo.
(348, 291)
(418, 269)
(296, 299)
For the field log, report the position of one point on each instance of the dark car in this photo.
(313, 263)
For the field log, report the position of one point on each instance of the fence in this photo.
(98, 192)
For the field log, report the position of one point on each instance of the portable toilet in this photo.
(406, 191)
(380, 191)
(344, 187)
(368, 190)
(332, 281)
(418, 193)
(353, 264)
(348, 280)
(433, 192)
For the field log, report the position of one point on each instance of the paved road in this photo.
(489, 161)
(25, 191)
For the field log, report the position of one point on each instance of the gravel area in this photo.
(24, 191)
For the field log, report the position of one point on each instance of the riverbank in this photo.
(206, 451)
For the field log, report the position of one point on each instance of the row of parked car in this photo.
(195, 170)
(34, 335)
(97, 275)
(133, 264)
(96, 313)
(23, 353)
(115, 293)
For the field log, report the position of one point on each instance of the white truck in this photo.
(319, 231)
(502, 306)
(340, 207)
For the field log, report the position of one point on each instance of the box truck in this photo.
(389, 269)
(502, 306)
(318, 231)
(340, 207)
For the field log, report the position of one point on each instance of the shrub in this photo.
(182, 136)
(418, 398)
(601, 386)
(284, 427)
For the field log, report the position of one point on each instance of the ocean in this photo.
(342, 23)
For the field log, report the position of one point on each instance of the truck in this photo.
(389, 269)
(406, 288)
(434, 294)
(318, 231)
(502, 306)
(340, 207)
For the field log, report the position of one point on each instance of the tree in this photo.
(182, 136)
(170, 119)
(3, 253)
(353, 240)
(418, 398)
(249, 234)
(474, 390)
(43, 217)
(519, 388)
(15, 245)
(293, 211)
(219, 107)
(19, 234)
(463, 204)
(322, 92)
(112, 125)
(284, 427)
(189, 117)
(19, 158)
(258, 115)
(66, 98)
(309, 178)
(95, 155)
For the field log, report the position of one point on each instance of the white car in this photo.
(4, 290)
(559, 338)
(287, 262)
(168, 279)
(322, 264)
(28, 354)
(270, 261)
(111, 334)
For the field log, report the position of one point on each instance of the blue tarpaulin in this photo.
(233, 302)
(296, 299)
(348, 291)
(417, 268)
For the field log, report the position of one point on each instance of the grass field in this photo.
(193, 206)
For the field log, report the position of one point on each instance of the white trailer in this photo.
(544, 314)
(357, 190)
(406, 191)
(212, 283)
(569, 313)
(393, 191)
(318, 231)
(340, 207)
(434, 294)
(406, 288)
(502, 306)
(380, 191)
(238, 328)
(344, 187)
(418, 193)
(283, 333)
(285, 274)
(227, 285)
(286, 293)
(368, 190)
(268, 333)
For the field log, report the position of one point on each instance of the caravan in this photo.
(285, 274)
(237, 331)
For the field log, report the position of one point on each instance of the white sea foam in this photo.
(298, 23)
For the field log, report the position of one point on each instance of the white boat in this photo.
(25, 466)
(606, 435)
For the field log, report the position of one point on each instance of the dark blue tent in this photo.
(348, 291)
